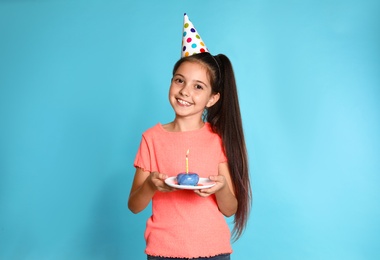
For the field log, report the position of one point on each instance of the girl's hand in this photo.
(157, 182)
(220, 183)
(223, 190)
(144, 186)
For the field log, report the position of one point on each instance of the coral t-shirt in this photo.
(184, 224)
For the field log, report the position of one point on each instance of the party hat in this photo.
(191, 41)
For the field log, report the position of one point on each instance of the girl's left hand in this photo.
(220, 183)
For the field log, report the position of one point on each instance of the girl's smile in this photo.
(183, 102)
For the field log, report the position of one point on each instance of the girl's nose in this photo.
(184, 91)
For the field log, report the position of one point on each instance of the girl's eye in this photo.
(198, 87)
(178, 80)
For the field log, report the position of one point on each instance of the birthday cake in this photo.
(190, 179)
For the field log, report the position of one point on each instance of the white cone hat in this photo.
(191, 40)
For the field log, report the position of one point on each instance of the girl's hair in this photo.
(225, 119)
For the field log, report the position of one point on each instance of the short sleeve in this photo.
(222, 157)
(143, 158)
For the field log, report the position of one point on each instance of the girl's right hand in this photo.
(157, 182)
(145, 184)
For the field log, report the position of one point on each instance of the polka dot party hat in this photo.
(191, 41)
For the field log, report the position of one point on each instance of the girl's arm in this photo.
(223, 190)
(145, 184)
(225, 197)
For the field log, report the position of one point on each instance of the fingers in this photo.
(162, 176)
(220, 182)
(217, 178)
(157, 175)
(204, 193)
(158, 180)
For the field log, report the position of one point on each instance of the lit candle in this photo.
(187, 161)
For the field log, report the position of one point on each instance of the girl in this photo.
(190, 224)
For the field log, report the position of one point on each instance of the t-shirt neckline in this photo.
(205, 126)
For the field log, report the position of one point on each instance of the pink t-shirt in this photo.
(183, 224)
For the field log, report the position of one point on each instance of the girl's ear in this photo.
(213, 99)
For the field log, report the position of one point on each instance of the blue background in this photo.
(81, 80)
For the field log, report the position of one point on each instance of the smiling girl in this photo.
(191, 224)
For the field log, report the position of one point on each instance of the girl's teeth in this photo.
(183, 102)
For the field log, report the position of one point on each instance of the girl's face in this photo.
(190, 90)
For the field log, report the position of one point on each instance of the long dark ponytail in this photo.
(225, 120)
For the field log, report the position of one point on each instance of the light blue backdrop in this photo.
(81, 80)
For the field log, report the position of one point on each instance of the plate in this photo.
(203, 183)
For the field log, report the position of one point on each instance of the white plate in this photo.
(203, 183)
